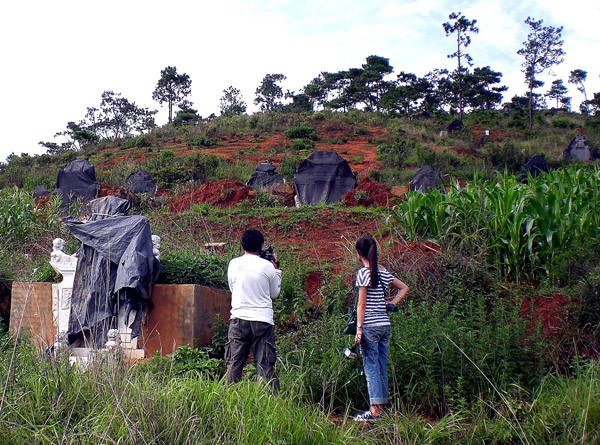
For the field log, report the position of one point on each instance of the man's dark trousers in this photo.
(259, 336)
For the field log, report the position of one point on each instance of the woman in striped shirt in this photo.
(373, 323)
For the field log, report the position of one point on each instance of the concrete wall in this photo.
(31, 309)
(182, 314)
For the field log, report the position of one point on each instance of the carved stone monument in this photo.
(120, 338)
(64, 265)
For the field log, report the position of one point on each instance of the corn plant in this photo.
(522, 226)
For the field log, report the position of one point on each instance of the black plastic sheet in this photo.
(265, 176)
(77, 181)
(324, 177)
(140, 181)
(426, 179)
(116, 270)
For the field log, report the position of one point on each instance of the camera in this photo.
(350, 352)
(267, 254)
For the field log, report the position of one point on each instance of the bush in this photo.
(302, 132)
(194, 268)
(562, 122)
(395, 154)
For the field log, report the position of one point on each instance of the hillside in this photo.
(504, 275)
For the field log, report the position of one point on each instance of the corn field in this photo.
(522, 227)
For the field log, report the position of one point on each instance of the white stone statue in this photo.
(114, 340)
(156, 246)
(64, 265)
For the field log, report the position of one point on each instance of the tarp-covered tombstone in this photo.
(324, 177)
(265, 176)
(76, 182)
(140, 181)
(426, 179)
(116, 270)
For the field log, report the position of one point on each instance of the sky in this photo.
(59, 56)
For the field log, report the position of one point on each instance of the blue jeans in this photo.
(374, 348)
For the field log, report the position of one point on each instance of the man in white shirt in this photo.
(253, 282)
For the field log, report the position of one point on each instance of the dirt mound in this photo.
(368, 193)
(105, 189)
(548, 311)
(224, 193)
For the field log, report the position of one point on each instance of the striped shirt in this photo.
(375, 313)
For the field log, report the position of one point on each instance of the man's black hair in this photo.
(252, 240)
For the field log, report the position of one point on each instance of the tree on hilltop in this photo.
(232, 102)
(462, 27)
(268, 93)
(173, 88)
(577, 78)
(558, 92)
(542, 50)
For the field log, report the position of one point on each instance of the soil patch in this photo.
(369, 193)
(105, 189)
(221, 194)
(548, 311)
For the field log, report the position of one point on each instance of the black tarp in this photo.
(140, 181)
(455, 125)
(115, 272)
(534, 167)
(108, 206)
(324, 177)
(77, 181)
(427, 178)
(40, 190)
(265, 176)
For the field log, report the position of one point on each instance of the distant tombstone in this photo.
(455, 125)
(140, 181)
(426, 179)
(580, 150)
(40, 190)
(77, 181)
(265, 176)
(534, 167)
(443, 133)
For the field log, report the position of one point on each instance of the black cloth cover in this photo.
(455, 125)
(140, 181)
(265, 176)
(115, 271)
(108, 206)
(427, 178)
(324, 177)
(76, 181)
(40, 190)
(534, 167)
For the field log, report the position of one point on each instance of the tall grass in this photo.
(111, 402)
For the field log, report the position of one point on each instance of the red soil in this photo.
(548, 311)
(313, 287)
(376, 195)
(105, 189)
(224, 193)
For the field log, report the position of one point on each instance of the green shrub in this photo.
(395, 154)
(184, 267)
(302, 132)
(563, 122)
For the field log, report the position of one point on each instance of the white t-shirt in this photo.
(253, 282)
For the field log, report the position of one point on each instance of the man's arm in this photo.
(230, 277)
(275, 283)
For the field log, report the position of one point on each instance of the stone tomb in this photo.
(180, 314)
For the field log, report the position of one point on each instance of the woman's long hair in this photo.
(367, 247)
